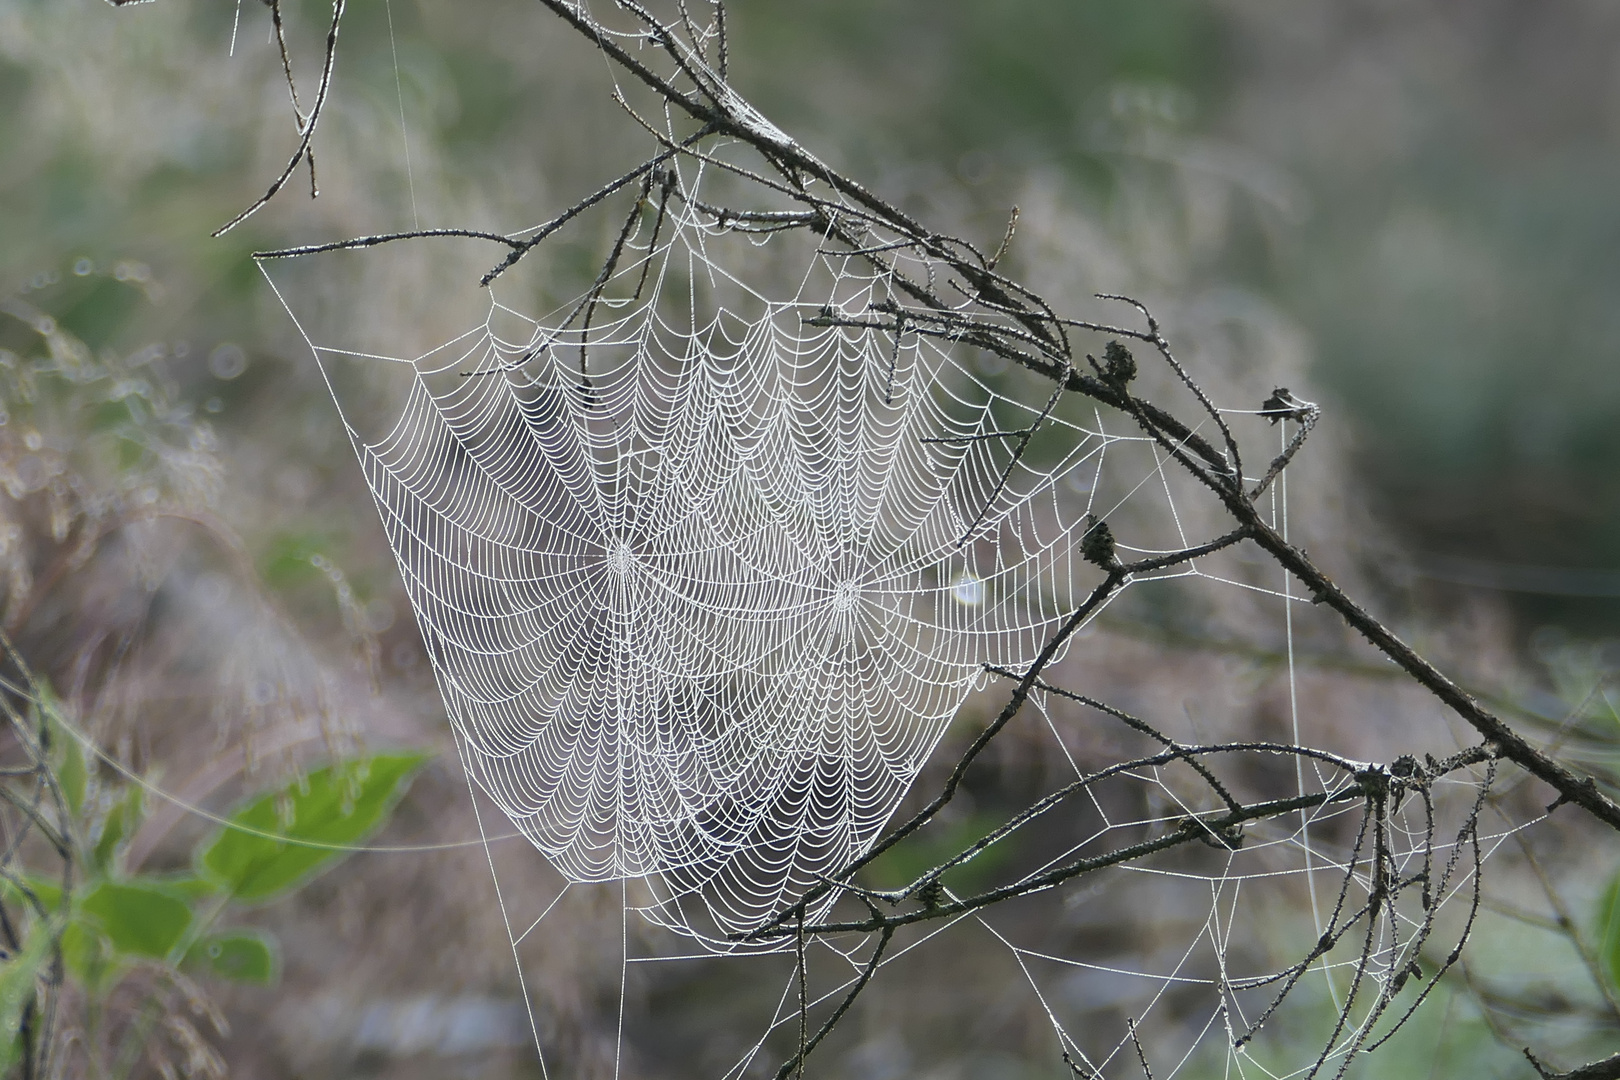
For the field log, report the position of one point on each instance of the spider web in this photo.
(704, 584)
(707, 558)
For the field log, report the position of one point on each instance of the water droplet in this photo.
(227, 361)
(968, 590)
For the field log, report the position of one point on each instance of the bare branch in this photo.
(867, 972)
(385, 238)
(308, 126)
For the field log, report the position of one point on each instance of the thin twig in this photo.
(523, 247)
(1163, 345)
(292, 90)
(1307, 421)
(385, 238)
(308, 126)
(797, 1061)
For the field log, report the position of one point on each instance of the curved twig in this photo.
(308, 126)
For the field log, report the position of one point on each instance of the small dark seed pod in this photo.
(1119, 366)
(1097, 546)
(1283, 405)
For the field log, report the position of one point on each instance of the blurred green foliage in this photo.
(268, 848)
(1608, 931)
(17, 979)
(907, 861)
(112, 923)
(1017, 79)
(278, 842)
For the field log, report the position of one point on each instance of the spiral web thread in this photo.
(700, 614)
(706, 565)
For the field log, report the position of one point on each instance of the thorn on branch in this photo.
(1586, 787)
(1141, 1055)
(1006, 241)
(1082, 1073)
(720, 32)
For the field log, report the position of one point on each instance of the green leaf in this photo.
(48, 893)
(84, 952)
(188, 887)
(1608, 930)
(238, 955)
(112, 834)
(340, 805)
(139, 918)
(17, 980)
(71, 773)
(122, 821)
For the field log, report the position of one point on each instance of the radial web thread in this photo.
(704, 583)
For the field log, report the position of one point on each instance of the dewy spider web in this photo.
(704, 582)
(705, 572)
(708, 556)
